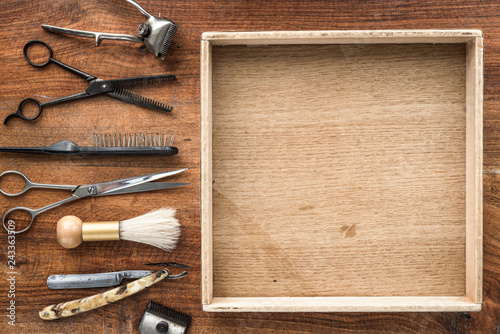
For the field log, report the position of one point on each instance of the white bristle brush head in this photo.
(158, 228)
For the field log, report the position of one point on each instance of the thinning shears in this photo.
(115, 88)
(122, 186)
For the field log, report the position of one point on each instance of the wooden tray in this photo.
(342, 171)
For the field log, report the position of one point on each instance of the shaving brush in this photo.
(157, 228)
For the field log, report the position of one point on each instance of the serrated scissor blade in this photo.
(134, 98)
(127, 83)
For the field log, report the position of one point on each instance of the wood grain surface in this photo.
(37, 252)
(328, 168)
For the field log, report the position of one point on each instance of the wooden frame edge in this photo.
(341, 37)
(206, 173)
(474, 101)
(474, 169)
(343, 304)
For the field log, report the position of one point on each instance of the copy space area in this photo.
(339, 170)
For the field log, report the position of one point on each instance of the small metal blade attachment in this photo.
(134, 98)
(159, 319)
(168, 39)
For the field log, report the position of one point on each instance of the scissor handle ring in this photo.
(32, 214)
(27, 183)
(19, 111)
(30, 43)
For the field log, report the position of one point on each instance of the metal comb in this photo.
(109, 144)
(156, 33)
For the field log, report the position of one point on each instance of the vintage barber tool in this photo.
(122, 186)
(159, 319)
(108, 144)
(157, 228)
(115, 88)
(156, 33)
(98, 280)
(77, 306)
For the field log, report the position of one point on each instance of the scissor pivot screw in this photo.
(144, 30)
(104, 86)
(91, 190)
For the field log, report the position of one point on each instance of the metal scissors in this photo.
(115, 88)
(122, 186)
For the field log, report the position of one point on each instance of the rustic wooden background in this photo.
(37, 252)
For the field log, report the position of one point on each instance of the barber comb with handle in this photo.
(108, 144)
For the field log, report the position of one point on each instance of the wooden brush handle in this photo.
(77, 306)
(71, 231)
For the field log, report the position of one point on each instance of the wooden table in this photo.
(37, 253)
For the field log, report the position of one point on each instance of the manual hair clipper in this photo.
(160, 319)
(156, 33)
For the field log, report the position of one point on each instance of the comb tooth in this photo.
(132, 140)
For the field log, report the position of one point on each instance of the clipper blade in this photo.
(161, 319)
(168, 39)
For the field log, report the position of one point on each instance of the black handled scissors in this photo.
(122, 186)
(115, 88)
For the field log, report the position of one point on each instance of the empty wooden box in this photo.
(341, 170)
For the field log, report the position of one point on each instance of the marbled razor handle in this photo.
(77, 306)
